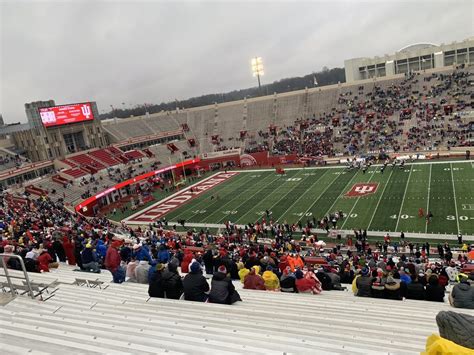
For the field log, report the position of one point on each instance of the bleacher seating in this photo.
(104, 156)
(134, 154)
(122, 319)
(87, 160)
(75, 172)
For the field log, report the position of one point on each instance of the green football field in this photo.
(446, 189)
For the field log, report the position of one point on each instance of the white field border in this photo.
(428, 162)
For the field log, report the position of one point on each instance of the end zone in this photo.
(160, 208)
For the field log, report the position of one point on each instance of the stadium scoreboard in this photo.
(66, 114)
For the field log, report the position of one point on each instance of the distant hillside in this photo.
(324, 77)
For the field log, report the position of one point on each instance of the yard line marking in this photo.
(221, 208)
(321, 194)
(403, 199)
(454, 194)
(428, 203)
(303, 194)
(338, 197)
(355, 204)
(271, 207)
(380, 199)
(206, 203)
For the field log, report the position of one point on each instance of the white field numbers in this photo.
(309, 214)
(448, 218)
(230, 212)
(293, 179)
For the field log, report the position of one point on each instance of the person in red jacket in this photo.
(305, 284)
(253, 281)
(112, 262)
(283, 263)
(44, 260)
(69, 250)
(188, 257)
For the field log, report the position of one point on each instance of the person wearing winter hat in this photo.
(195, 284)
(156, 288)
(392, 289)
(462, 295)
(222, 289)
(89, 259)
(112, 262)
(364, 283)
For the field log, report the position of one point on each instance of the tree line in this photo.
(324, 77)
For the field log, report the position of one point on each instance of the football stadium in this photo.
(328, 216)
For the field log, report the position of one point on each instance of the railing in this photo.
(9, 277)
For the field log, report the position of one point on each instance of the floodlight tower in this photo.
(257, 69)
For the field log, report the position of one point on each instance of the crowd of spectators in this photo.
(420, 112)
(45, 235)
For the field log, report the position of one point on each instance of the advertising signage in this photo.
(66, 114)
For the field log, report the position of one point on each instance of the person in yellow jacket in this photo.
(271, 280)
(436, 345)
(354, 285)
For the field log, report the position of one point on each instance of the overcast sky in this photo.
(155, 51)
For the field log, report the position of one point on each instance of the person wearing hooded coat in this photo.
(69, 251)
(172, 283)
(462, 295)
(208, 259)
(253, 281)
(392, 289)
(222, 289)
(272, 283)
(434, 291)
(156, 289)
(195, 284)
(59, 250)
(415, 289)
(364, 283)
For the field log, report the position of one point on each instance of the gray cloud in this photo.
(137, 52)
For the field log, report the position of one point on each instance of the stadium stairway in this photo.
(123, 319)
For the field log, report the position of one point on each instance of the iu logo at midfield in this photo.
(359, 190)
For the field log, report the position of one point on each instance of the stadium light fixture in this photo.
(257, 69)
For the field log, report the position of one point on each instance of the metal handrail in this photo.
(7, 275)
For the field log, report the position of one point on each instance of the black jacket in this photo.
(463, 295)
(415, 291)
(434, 291)
(364, 286)
(195, 286)
(172, 283)
(156, 285)
(222, 290)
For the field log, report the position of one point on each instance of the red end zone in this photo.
(178, 199)
(363, 189)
